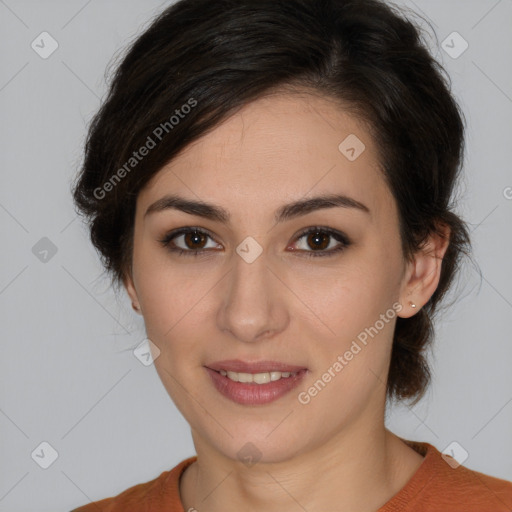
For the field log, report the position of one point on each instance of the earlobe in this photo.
(130, 289)
(424, 273)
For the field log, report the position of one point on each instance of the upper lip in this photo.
(239, 366)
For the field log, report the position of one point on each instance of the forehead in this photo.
(278, 148)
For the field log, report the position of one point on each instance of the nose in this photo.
(254, 304)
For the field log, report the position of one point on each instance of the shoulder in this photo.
(161, 492)
(441, 484)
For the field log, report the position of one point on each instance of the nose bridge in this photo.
(252, 306)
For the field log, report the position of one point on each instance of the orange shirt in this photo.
(434, 487)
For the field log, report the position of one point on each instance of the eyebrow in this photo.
(284, 213)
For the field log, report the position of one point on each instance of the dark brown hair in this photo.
(201, 60)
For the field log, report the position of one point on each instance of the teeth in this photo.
(257, 378)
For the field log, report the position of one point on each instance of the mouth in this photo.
(254, 383)
(257, 378)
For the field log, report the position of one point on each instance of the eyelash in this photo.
(338, 236)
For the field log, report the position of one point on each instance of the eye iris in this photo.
(316, 238)
(194, 238)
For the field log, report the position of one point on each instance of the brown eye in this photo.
(318, 241)
(188, 241)
(195, 240)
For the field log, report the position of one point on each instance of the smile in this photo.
(254, 388)
(257, 378)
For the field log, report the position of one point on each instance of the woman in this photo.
(272, 183)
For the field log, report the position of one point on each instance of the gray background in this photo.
(68, 376)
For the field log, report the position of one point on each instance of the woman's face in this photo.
(261, 290)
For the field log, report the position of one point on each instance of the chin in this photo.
(259, 447)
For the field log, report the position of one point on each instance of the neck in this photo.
(358, 469)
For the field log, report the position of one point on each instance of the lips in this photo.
(252, 394)
(236, 365)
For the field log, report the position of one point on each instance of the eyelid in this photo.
(324, 229)
(343, 242)
(171, 235)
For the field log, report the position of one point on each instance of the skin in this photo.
(333, 453)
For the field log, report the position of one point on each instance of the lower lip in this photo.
(247, 393)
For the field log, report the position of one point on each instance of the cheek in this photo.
(345, 299)
(350, 366)
(171, 293)
(174, 314)
(353, 318)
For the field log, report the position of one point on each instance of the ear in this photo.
(423, 273)
(132, 293)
